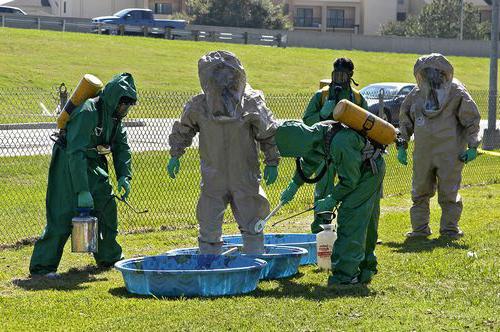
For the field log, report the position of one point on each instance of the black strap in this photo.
(335, 127)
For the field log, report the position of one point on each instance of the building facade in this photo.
(344, 16)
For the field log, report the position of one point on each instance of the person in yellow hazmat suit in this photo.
(233, 121)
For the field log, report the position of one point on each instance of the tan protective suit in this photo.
(441, 135)
(229, 140)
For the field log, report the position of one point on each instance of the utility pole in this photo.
(461, 19)
(491, 136)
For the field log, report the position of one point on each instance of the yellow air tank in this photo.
(88, 87)
(364, 122)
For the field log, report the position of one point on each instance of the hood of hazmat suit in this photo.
(434, 75)
(78, 167)
(223, 81)
(444, 119)
(233, 122)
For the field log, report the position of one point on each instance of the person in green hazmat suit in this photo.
(79, 178)
(233, 122)
(339, 88)
(444, 120)
(360, 169)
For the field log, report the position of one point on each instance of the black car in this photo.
(11, 10)
(393, 96)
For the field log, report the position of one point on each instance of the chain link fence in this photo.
(27, 118)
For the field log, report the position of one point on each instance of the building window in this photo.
(163, 8)
(64, 10)
(304, 17)
(401, 2)
(401, 17)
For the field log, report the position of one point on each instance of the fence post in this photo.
(245, 37)
(38, 23)
(212, 36)
(64, 25)
(168, 33)
(145, 30)
(99, 28)
(196, 35)
(122, 29)
(278, 39)
(3, 21)
(63, 96)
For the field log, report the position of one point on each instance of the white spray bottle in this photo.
(324, 243)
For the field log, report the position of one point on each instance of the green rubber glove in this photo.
(124, 183)
(290, 191)
(469, 155)
(325, 204)
(173, 167)
(402, 156)
(270, 174)
(327, 109)
(85, 200)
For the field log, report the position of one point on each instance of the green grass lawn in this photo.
(166, 71)
(168, 65)
(422, 285)
(171, 203)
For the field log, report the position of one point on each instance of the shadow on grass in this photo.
(425, 244)
(287, 288)
(71, 280)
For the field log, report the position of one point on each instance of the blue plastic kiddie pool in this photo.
(282, 261)
(191, 275)
(306, 241)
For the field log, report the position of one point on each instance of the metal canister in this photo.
(84, 233)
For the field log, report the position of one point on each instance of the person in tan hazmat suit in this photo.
(443, 117)
(233, 121)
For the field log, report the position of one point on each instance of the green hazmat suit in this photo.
(77, 167)
(358, 190)
(311, 116)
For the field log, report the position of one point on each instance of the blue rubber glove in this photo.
(327, 109)
(402, 156)
(85, 200)
(270, 174)
(173, 167)
(124, 183)
(290, 191)
(469, 155)
(325, 204)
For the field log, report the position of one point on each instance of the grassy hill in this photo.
(44, 58)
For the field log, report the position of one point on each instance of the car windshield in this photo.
(372, 91)
(121, 12)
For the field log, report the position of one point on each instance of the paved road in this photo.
(151, 137)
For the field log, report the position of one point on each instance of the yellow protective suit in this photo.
(444, 121)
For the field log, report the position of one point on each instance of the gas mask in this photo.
(341, 79)
(434, 81)
(225, 88)
(123, 108)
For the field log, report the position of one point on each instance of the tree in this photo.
(441, 19)
(238, 13)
